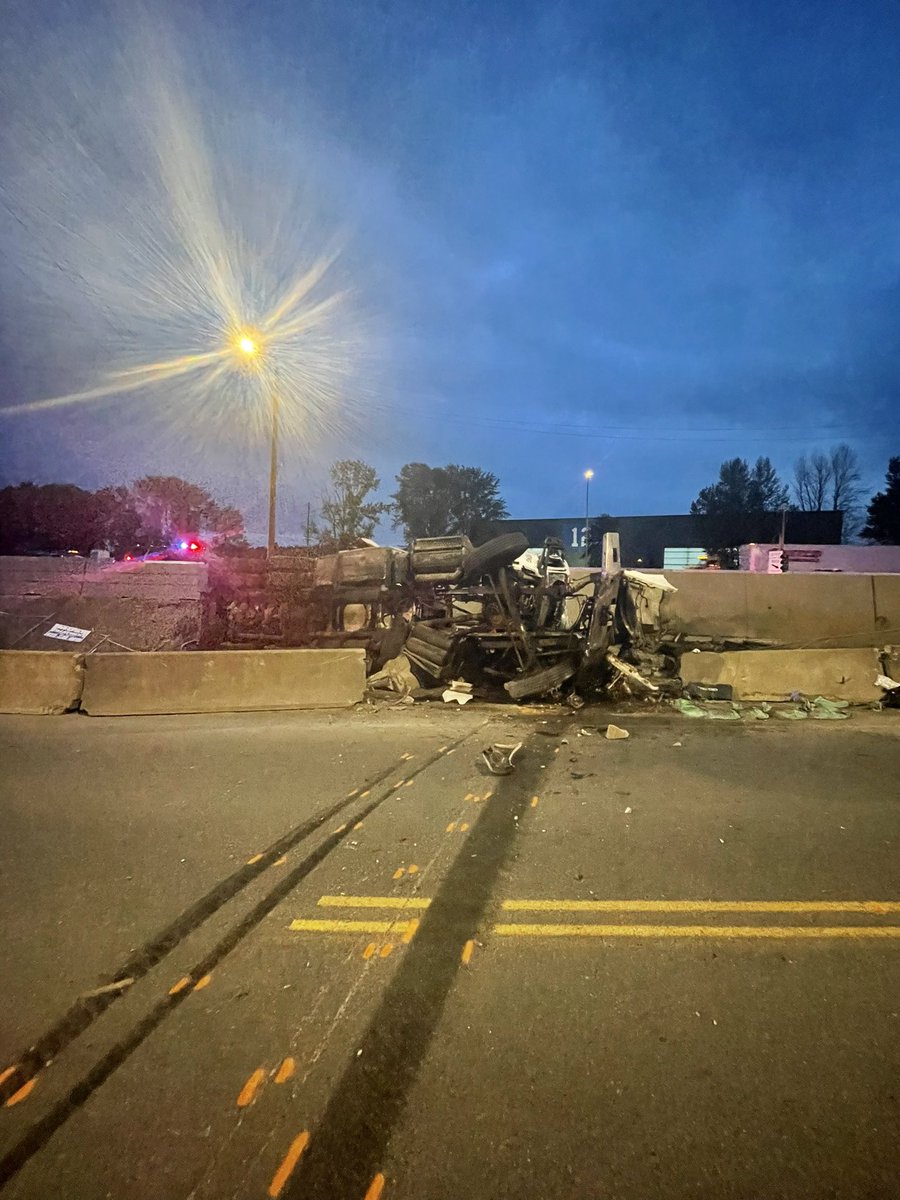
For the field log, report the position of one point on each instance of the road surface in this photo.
(329, 956)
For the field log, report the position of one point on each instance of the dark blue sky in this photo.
(634, 236)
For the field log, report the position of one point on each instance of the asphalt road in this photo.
(329, 956)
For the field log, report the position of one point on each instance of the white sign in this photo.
(67, 633)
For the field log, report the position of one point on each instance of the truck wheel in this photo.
(498, 552)
(539, 682)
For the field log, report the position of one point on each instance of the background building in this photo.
(644, 540)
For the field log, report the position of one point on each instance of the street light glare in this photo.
(248, 345)
(589, 474)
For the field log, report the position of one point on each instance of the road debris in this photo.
(500, 759)
(118, 985)
(615, 733)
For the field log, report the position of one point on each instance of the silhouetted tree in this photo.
(435, 501)
(346, 510)
(830, 481)
(170, 507)
(57, 517)
(50, 518)
(741, 490)
(883, 524)
(812, 476)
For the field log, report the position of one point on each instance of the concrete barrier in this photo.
(222, 681)
(843, 674)
(38, 682)
(790, 610)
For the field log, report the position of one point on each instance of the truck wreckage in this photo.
(492, 619)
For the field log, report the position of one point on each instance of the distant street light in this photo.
(248, 345)
(588, 476)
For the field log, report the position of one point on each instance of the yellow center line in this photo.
(699, 931)
(248, 1092)
(22, 1094)
(337, 926)
(878, 907)
(290, 1160)
(376, 1187)
(373, 902)
(725, 906)
(286, 1070)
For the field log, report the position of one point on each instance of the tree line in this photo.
(151, 513)
(156, 511)
(822, 482)
(140, 518)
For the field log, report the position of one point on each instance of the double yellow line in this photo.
(634, 929)
(697, 907)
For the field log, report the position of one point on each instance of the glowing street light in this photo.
(588, 476)
(250, 347)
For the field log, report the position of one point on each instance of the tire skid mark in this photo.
(87, 1008)
(37, 1136)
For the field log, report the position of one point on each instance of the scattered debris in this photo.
(67, 633)
(703, 691)
(615, 733)
(118, 985)
(459, 690)
(631, 673)
(394, 677)
(500, 759)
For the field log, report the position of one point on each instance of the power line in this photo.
(800, 433)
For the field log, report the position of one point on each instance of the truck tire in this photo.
(435, 655)
(538, 682)
(441, 638)
(498, 552)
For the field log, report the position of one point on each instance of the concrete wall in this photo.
(840, 674)
(39, 684)
(139, 605)
(788, 610)
(22, 576)
(805, 560)
(222, 681)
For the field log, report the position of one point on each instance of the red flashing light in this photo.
(129, 557)
(195, 547)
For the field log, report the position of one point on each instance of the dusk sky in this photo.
(634, 236)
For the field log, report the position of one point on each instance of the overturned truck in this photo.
(504, 617)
